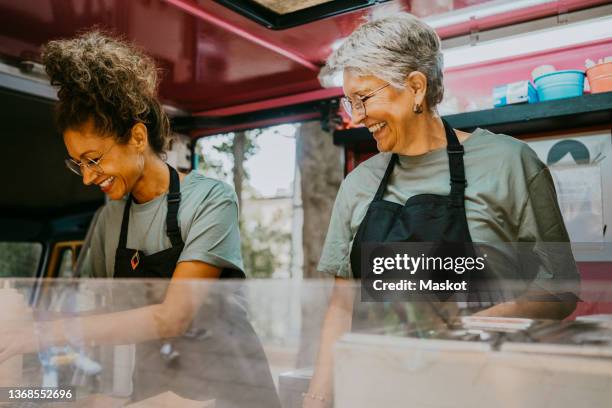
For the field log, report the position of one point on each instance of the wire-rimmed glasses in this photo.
(91, 164)
(359, 104)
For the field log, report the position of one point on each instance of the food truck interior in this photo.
(232, 65)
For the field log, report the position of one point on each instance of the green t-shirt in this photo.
(208, 218)
(510, 197)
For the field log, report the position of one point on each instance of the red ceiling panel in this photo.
(205, 66)
(212, 57)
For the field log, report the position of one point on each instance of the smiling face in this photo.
(388, 112)
(120, 167)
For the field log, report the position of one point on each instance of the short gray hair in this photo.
(391, 48)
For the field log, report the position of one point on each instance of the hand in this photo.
(14, 342)
(10, 344)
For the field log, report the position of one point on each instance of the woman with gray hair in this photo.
(429, 183)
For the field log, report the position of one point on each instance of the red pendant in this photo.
(135, 260)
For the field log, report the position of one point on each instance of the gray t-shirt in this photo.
(208, 218)
(510, 197)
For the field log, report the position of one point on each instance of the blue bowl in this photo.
(560, 84)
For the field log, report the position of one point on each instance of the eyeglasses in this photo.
(359, 105)
(91, 164)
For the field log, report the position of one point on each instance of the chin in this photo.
(386, 141)
(383, 146)
(116, 195)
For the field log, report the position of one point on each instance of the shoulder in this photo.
(374, 164)
(360, 185)
(367, 173)
(196, 187)
(508, 150)
(112, 210)
(500, 142)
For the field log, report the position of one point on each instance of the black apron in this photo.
(221, 356)
(132, 263)
(427, 218)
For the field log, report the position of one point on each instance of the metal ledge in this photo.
(515, 120)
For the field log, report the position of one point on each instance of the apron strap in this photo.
(383, 183)
(173, 229)
(124, 223)
(455, 163)
(455, 152)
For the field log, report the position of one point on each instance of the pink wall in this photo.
(473, 85)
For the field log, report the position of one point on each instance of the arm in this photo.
(541, 224)
(212, 243)
(335, 260)
(530, 309)
(168, 319)
(337, 322)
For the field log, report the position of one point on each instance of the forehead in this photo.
(354, 82)
(85, 139)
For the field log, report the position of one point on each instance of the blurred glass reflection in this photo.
(254, 343)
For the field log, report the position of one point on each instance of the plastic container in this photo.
(516, 92)
(600, 77)
(560, 84)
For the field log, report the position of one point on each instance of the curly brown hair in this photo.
(108, 81)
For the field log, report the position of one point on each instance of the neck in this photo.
(424, 134)
(155, 179)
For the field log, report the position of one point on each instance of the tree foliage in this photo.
(19, 259)
(260, 243)
(259, 240)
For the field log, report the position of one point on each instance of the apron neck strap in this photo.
(385, 180)
(455, 153)
(172, 227)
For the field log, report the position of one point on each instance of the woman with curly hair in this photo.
(116, 133)
(157, 223)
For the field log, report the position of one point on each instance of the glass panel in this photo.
(253, 344)
(289, 6)
(19, 259)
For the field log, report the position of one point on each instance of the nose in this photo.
(88, 175)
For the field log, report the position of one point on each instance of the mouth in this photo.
(107, 184)
(376, 127)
